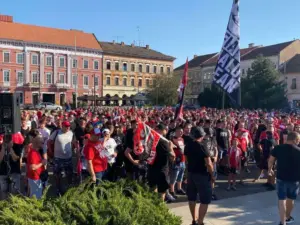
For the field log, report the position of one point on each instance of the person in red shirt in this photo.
(96, 156)
(242, 144)
(234, 163)
(35, 164)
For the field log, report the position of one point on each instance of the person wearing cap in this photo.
(200, 175)
(64, 143)
(96, 156)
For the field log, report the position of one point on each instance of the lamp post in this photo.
(39, 87)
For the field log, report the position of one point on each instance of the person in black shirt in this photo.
(288, 176)
(158, 172)
(187, 133)
(200, 175)
(80, 131)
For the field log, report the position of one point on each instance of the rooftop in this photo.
(45, 35)
(293, 65)
(121, 49)
(197, 61)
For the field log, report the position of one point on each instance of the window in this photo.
(48, 78)
(161, 70)
(147, 68)
(117, 66)
(96, 65)
(168, 70)
(74, 79)
(61, 78)
(34, 59)
(48, 60)
(21, 97)
(20, 58)
(107, 80)
(147, 83)
(116, 81)
(140, 82)
(132, 67)
(20, 77)
(61, 61)
(35, 77)
(124, 66)
(140, 68)
(6, 77)
(74, 63)
(6, 57)
(85, 81)
(85, 64)
(108, 65)
(124, 81)
(132, 82)
(96, 81)
(154, 69)
(294, 83)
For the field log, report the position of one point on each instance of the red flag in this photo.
(145, 142)
(181, 89)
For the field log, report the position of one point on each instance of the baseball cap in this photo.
(106, 131)
(198, 132)
(96, 132)
(66, 124)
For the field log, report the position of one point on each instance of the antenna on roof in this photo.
(118, 37)
(138, 33)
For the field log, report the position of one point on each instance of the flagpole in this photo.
(76, 69)
(223, 99)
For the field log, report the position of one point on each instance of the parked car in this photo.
(49, 106)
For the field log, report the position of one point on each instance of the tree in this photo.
(262, 88)
(212, 98)
(164, 90)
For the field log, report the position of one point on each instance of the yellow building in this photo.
(129, 69)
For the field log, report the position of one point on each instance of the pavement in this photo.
(254, 209)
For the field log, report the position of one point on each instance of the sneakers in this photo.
(233, 187)
(169, 198)
(194, 222)
(173, 195)
(214, 197)
(181, 192)
(290, 220)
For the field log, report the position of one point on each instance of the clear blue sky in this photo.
(175, 27)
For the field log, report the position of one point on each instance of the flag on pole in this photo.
(227, 73)
(181, 89)
(145, 140)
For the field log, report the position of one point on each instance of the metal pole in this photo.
(76, 72)
(94, 93)
(39, 87)
(223, 99)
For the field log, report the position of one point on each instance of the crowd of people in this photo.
(98, 144)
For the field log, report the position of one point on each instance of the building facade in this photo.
(201, 68)
(47, 64)
(129, 70)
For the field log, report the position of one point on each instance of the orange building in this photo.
(49, 64)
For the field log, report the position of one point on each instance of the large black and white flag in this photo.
(227, 72)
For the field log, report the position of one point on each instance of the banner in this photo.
(145, 141)
(181, 89)
(227, 72)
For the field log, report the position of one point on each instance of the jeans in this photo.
(35, 188)
(286, 189)
(177, 173)
(99, 176)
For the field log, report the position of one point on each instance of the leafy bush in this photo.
(121, 203)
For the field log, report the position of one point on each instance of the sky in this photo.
(174, 27)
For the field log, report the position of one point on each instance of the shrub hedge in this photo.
(121, 203)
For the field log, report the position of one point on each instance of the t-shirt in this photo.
(15, 165)
(34, 157)
(63, 144)
(196, 153)
(288, 162)
(268, 140)
(187, 139)
(161, 162)
(260, 129)
(45, 132)
(235, 155)
(282, 134)
(179, 149)
(110, 147)
(222, 137)
(95, 151)
(79, 134)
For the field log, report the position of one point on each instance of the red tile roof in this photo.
(46, 35)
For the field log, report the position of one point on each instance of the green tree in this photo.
(212, 98)
(164, 90)
(262, 88)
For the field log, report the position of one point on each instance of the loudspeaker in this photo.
(10, 114)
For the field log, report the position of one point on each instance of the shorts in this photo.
(35, 188)
(159, 180)
(177, 173)
(232, 170)
(63, 165)
(287, 189)
(199, 184)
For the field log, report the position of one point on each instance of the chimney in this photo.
(195, 56)
(147, 47)
(122, 43)
(251, 45)
(114, 42)
(5, 18)
(132, 45)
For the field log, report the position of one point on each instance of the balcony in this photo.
(32, 85)
(62, 86)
